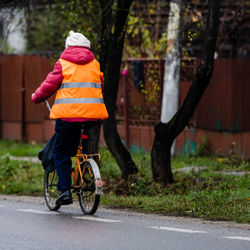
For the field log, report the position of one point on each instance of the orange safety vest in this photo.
(80, 93)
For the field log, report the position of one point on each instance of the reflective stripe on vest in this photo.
(79, 100)
(81, 85)
(80, 94)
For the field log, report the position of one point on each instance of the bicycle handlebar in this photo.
(48, 106)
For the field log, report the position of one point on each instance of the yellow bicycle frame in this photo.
(80, 159)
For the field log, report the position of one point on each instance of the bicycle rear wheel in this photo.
(50, 190)
(89, 192)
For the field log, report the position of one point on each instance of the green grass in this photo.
(207, 194)
(19, 177)
(18, 148)
(214, 206)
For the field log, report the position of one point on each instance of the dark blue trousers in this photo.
(67, 140)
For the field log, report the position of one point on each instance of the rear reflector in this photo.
(84, 136)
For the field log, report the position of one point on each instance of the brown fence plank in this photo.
(11, 89)
(33, 78)
(216, 100)
(241, 90)
(47, 66)
(225, 104)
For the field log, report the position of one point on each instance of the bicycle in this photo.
(86, 178)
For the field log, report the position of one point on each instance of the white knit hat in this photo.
(76, 39)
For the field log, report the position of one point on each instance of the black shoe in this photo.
(64, 198)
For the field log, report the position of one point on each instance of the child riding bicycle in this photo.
(78, 83)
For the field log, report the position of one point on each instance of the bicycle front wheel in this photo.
(89, 192)
(50, 190)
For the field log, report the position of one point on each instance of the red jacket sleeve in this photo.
(50, 85)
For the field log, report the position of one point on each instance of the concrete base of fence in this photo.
(141, 138)
(34, 132)
(219, 143)
(12, 131)
(188, 142)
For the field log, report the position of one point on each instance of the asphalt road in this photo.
(26, 223)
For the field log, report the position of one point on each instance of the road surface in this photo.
(26, 223)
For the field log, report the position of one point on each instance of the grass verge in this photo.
(18, 148)
(206, 194)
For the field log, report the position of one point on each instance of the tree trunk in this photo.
(113, 33)
(171, 84)
(166, 133)
(161, 155)
(94, 137)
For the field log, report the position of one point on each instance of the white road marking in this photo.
(96, 219)
(36, 211)
(238, 238)
(181, 230)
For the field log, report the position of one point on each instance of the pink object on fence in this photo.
(124, 72)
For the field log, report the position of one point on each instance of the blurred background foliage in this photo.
(47, 23)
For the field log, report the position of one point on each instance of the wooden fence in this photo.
(20, 118)
(224, 108)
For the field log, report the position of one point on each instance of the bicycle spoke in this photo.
(51, 190)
